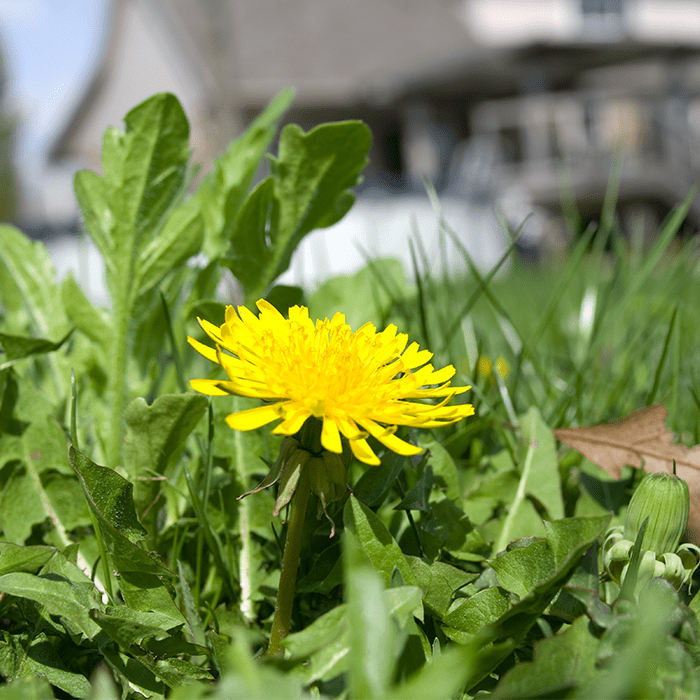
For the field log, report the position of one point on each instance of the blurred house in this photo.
(488, 99)
(602, 84)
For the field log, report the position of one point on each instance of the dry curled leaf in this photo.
(642, 435)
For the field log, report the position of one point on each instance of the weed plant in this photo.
(130, 568)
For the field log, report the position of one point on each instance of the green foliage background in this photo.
(128, 568)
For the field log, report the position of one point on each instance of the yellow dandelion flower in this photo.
(483, 366)
(502, 367)
(357, 383)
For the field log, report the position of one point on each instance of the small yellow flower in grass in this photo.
(502, 367)
(483, 366)
(356, 384)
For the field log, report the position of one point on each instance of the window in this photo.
(601, 7)
(602, 18)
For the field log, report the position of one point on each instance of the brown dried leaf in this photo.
(642, 435)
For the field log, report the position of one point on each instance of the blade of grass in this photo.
(422, 315)
(212, 539)
(177, 356)
(572, 265)
(567, 199)
(662, 360)
(483, 284)
(676, 369)
(667, 233)
(607, 214)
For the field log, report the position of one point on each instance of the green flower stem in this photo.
(290, 564)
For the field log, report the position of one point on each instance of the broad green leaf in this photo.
(443, 467)
(175, 672)
(29, 284)
(194, 622)
(417, 497)
(404, 603)
(127, 626)
(646, 662)
(439, 582)
(91, 321)
(30, 435)
(247, 256)
(368, 533)
(370, 635)
(180, 238)
(144, 170)
(109, 497)
(21, 507)
(134, 672)
(66, 499)
(374, 484)
(59, 596)
(445, 526)
(319, 634)
(222, 191)
(64, 565)
(250, 679)
(522, 568)
(539, 479)
(470, 615)
(326, 641)
(156, 434)
(146, 592)
(565, 534)
(27, 688)
(15, 558)
(562, 662)
(91, 194)
(312, 171)
(306, 190)
(443, 678)
(18, 346)
(493, 489)
(494, 642)
(136, 216)
(45, 660)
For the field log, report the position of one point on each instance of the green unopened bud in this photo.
(674, 571)
(649, 567)
(665, 499)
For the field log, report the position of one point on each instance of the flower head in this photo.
(357, 383)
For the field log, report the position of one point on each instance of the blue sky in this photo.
(51, 47)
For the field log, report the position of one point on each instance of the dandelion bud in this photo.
(674, 571)
(649, 567)
(665, 499)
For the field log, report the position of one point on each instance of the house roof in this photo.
(329, 50)
(242, 52)
(143, 54)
